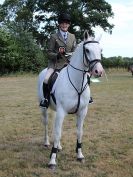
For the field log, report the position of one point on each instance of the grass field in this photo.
(108, 131)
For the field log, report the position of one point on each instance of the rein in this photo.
(79, 93)
(84, 72)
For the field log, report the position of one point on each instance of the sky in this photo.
(119, 43)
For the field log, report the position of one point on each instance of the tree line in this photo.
(21, 53)
(25, 26)
(117, 62)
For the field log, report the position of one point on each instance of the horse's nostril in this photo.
(100, 75)
(96, 71)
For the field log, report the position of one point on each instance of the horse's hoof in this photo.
(46, 146)
(81, 160)
(52, 167)
(59, 148)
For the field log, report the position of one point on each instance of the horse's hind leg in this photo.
(80, 120)
(45, 122)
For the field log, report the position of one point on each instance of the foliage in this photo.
(85, 14)
(26, 25)
(31, 58)
(40, 17)
(117, 62)
(20, 52)
(8, 53)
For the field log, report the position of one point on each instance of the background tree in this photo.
(19, 51)
(27, 24)
(40, 16)
(8, 53)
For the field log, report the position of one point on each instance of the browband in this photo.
(90, 42)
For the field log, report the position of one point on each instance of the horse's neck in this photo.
(77, 59)
(76, 75)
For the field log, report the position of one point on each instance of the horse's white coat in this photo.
(66, 95)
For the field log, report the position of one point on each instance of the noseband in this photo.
(89, 63)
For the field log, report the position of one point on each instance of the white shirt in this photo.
(64, 35)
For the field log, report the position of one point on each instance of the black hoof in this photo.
(52, 167)
(81, 160)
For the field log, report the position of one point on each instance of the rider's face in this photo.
(64, 26)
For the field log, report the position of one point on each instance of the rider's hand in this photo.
(61, 52)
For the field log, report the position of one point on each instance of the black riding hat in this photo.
(64, 17)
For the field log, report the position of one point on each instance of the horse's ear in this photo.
(86, 35)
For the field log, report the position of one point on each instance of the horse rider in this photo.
(59, 44)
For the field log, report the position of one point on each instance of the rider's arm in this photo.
(52, 53)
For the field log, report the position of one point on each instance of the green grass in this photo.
(108, 131)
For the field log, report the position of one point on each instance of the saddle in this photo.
(51, 82)
(54, 76)
(52, 79)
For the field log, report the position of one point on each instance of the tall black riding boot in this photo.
(45, 102)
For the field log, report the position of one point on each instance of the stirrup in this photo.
(44, 103)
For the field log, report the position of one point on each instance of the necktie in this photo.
(65, 37)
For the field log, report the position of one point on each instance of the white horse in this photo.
(72, 92)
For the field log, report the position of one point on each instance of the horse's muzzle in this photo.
(98, 74)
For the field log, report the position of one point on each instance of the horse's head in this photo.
(92, 55)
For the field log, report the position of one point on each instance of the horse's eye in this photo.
(87, 50)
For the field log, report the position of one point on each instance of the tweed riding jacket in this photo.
(55, 42)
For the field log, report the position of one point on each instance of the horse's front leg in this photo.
(80, 121)
(60, 114)
(45, 122)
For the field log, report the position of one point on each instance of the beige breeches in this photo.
(48, 74)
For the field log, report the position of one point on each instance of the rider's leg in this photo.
(45, 102)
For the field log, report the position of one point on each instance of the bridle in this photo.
(86, 59)
(89, 63)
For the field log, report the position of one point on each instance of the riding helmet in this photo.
(64, 17)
